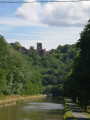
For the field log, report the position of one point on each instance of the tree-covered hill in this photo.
(53, 66)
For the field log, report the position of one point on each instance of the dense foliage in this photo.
(56, 65)
(17, 75)
(77, 83)
(23, 71)
(53, 66)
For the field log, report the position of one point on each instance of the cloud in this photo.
(66, 14)
(30, 11)
(3, 28)
(55, 14)
(18, 22)
(50, 39)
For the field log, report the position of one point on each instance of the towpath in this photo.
(76, 111)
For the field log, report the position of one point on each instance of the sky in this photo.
(50, 23)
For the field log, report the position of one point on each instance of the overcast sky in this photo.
(52, 24)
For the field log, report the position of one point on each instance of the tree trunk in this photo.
(81, 103)
(85, 108)
(74, 99)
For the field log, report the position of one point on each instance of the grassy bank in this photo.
(88, 112)
(13, 99)
(68, 113)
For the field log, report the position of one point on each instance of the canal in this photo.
(42, 109)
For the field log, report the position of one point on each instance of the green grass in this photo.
(19, 101)
(68, 113)
(88, 112)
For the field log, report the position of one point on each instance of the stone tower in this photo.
(39, 47)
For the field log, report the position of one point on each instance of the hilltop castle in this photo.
(40, 51)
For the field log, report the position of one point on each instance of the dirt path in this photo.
(76, 111)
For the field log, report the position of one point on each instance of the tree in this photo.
(77, 82)
(84, 45)
(57, 90)
(47, 90)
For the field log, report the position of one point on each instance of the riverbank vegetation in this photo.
(14, 99)
(77, 82)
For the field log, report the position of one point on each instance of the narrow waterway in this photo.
(42, 109)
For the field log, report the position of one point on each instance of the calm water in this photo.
(43, 109)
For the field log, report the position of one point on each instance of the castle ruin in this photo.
(40, 51)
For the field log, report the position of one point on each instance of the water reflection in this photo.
(45, 109)
(42, 106)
